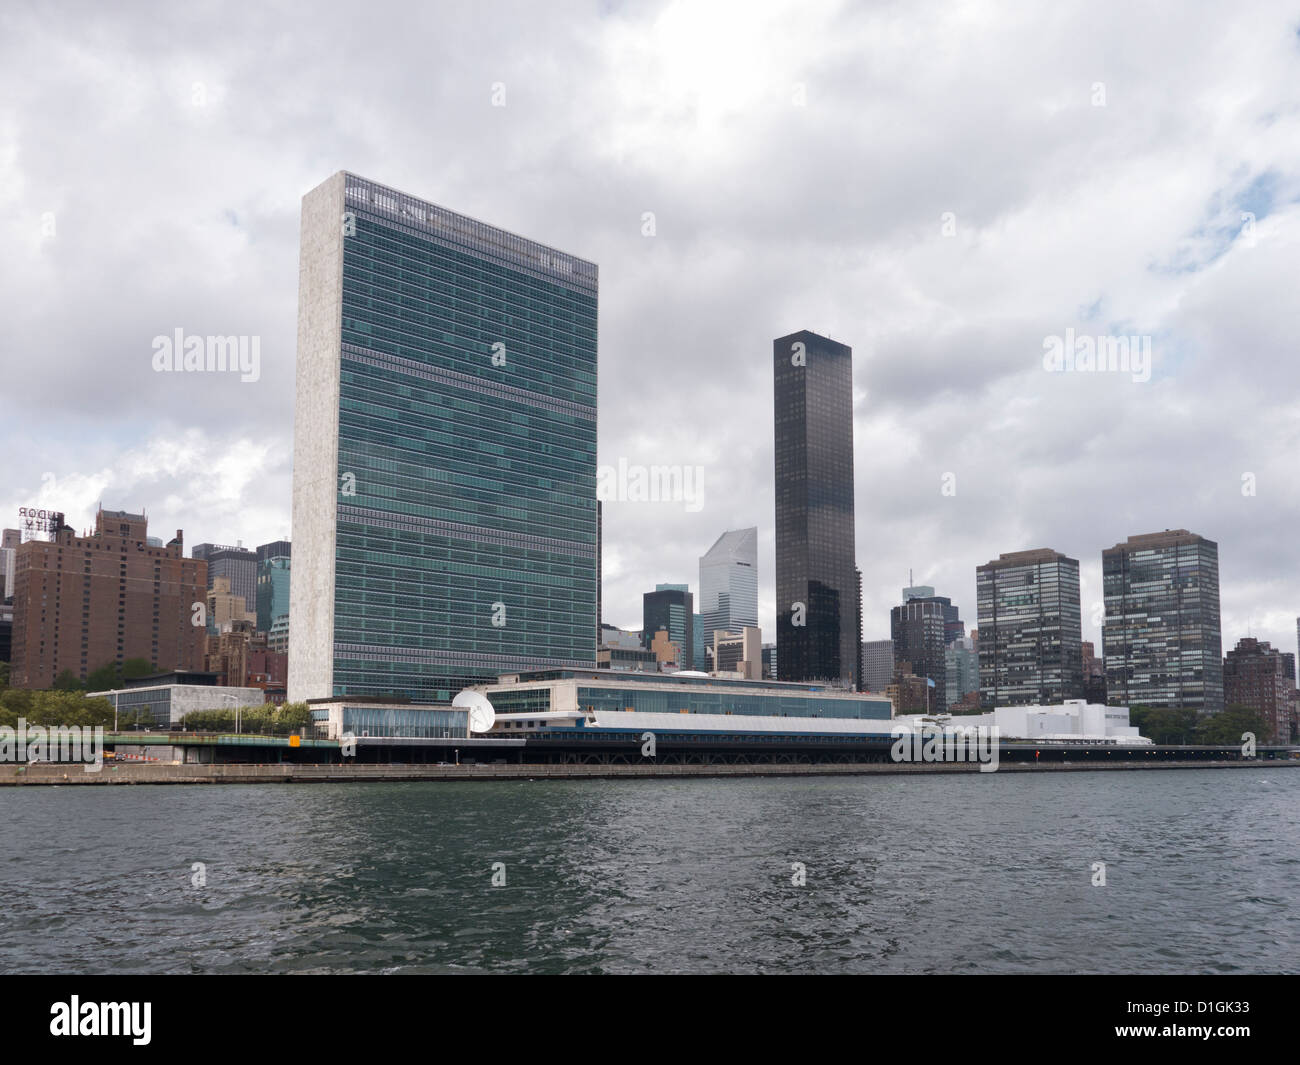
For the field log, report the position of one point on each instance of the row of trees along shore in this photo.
(67, 704)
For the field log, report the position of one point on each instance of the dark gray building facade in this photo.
(1030, 629)
(818, 587)
(670, 607)
(1162, 638)
(916, 629)
(237, 563)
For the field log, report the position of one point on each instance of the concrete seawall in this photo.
(59, 775)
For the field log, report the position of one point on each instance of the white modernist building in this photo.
(1073, 721)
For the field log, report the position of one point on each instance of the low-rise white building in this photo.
(1073, 720)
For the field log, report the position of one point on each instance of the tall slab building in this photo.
(444, 499)
(1030, 629)
(1162, 639)
(818, 590)
(729, 584)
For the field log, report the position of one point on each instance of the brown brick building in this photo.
(83, 602)
(1256, 675)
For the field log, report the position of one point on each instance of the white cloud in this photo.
(771, 217)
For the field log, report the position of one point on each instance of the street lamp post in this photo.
(233, 699)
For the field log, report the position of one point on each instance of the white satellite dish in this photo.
(481, 715)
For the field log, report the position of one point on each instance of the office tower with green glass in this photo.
(444, 499)
(273, 573)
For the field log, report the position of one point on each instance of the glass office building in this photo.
(1030, 629)
(670, 694)
(273, 573)
(670, 607)
(729, 585)
(1161, 639)
(818, 595)
(916, 628)
(445, 521)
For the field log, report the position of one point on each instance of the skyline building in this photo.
(877, 665)
(739, 652)
(953, 626)
(275, 549)
(238, 564)
(83, 602)
(728, 600)
(818, 586)
(670, 607)
(1094, 675)
(962, 666)
(226, 610)
(917, 629)
(1030, 629)
(445, 524)
(699, 649)
(274, 563)
(1256, 675)
(1161, 638)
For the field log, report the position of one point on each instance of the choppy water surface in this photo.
(978, 873)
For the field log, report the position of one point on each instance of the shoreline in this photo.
(57, 775)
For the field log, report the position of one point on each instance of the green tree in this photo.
(1228, 726)
(1165, 724)
(222, 720)
(114, 674)
(293, 717)
(103, 679)
(67, 681)
(4, 675)
(137, 667)
(16, 702)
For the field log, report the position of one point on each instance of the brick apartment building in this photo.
(81, 602)
(1258, 676)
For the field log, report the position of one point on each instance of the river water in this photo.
(948, 873)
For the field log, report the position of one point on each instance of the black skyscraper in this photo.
(818, 599)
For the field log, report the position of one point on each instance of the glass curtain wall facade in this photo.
(729, 584)
(1030, 629)
(670, 607)
(445, 519)
(818, 594)
(272, 591)
(1162, 639)
(649, 700)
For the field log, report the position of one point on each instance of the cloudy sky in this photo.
(942, 186)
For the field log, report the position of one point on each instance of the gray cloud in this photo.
(799, 160)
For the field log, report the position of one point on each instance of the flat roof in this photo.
(676, 680)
